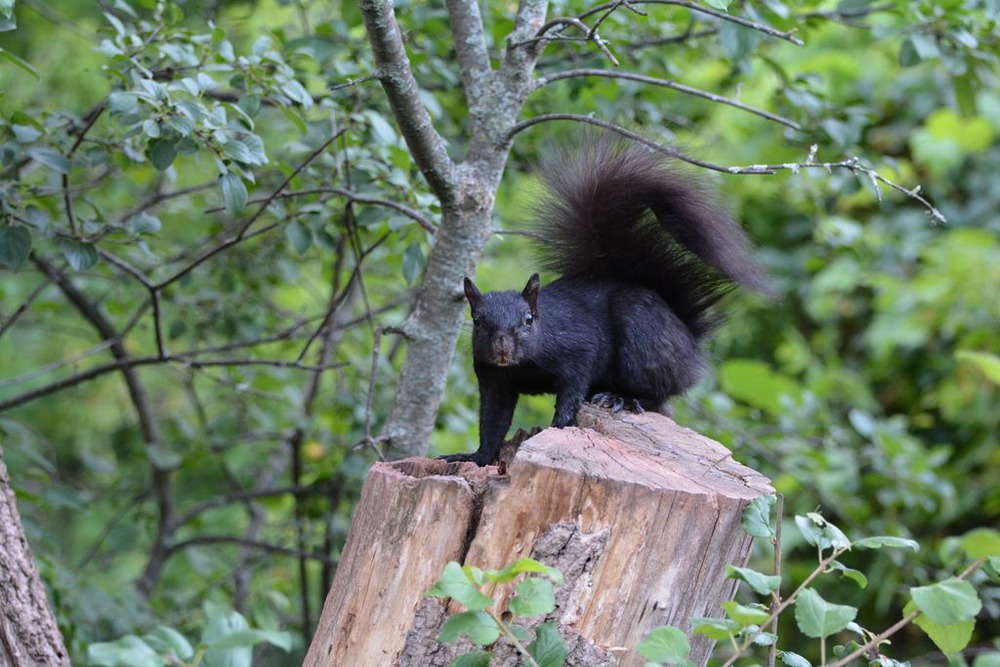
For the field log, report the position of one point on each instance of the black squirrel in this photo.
(644, 254)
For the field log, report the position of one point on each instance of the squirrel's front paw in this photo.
(474, 457)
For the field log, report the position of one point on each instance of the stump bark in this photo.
(642, 517)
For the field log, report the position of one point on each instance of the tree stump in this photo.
(642, 517)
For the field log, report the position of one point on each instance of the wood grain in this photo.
(641, 515)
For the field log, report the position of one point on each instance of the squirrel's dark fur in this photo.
(644, 254)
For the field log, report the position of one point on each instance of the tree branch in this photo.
(853, 164)
(253, 544)
(470, 47)
(242, 230)
(631, 76)
(788, 36)
(877, 640)
(148, 424)
(394, 73)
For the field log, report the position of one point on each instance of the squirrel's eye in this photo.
(528, 319)
(476, 320)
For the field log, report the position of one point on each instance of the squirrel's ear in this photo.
(472, 293)
(530, 294)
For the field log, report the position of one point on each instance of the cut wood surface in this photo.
(641, 515)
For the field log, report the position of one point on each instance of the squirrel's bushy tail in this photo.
(622, 211)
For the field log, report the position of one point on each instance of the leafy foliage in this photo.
(533, 596)
(214, 196)
(226, 640)
(946, 610)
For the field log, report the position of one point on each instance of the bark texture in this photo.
(642, 517)
(466, 187)
(29, 634)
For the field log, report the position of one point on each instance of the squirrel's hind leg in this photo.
(616, 403)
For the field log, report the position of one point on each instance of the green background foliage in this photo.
(868, 389)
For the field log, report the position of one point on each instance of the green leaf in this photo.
(170, 642)
(719, 629)
(524, 566)
(81, 256)
(234, 192)
(177, 329)
(15, 246)
(51, 158)
(879, 541)
(413, 263)
(162, 153)
(299, 235)
(756, 520)
(986, 363)
(237, 150)
(549, 648)
(478, 626)
(351, 13)
(818, 618)
(382, 129)
(982, 543)
(854, 575)
(162, 457)
(947, 602)
(252, 637)
(456, 584)
(745, 615)
(762, 584)
(665, 644)
(950, 639)
(20, 63)
(8, 23)
(129, 651)
(793, 659)
(738, 42)
(965, 94)
(222, 623)
(756, 384)
(144, 223)
(534, 597)
(474, 659)
(924, 46)
(819, 532)
(765, 639)
(26, 134)
(990, 659)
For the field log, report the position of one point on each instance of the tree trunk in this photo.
(642, 517)
(466, 189)
(29, 634)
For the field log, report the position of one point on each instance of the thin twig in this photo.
(853, 164)
(253, 544)
(242, 230)
(591, 34)
(788, 36)
(411, 213)
(665, 83)
(603, 124)
(25, 305)
(877, 640)
(779, 511)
